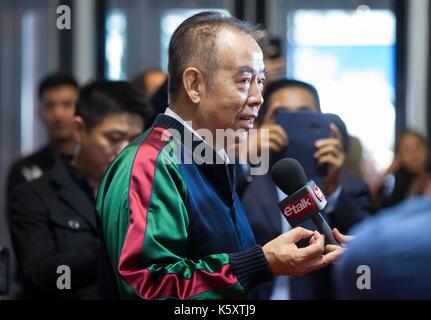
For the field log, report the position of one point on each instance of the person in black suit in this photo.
(348, 197)
(53, 218)
(58, 93)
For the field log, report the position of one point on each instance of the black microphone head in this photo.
(288, 175)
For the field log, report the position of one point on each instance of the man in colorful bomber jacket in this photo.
(172, 223)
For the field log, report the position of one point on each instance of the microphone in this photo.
(304, 201)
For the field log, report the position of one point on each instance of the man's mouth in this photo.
(247, 121)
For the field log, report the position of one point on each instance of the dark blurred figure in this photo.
(347, 204)
(53, 218)
(58, 93)
(355, 158)
(153, 84)
(408, 172)
(149, 81)
(352, 148)
(350, 176)
(390, 256)
(159, 101)
(275, 63)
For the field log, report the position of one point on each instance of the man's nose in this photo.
(58, 110)
(55, 111)
(255, 98)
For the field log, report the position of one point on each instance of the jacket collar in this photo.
(213, 167)
(200, 150)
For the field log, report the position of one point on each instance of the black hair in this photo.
(100, 99)
(195, 40)
(55, 80)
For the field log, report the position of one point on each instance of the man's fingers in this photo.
(314, 249)
(331, 247)
(330, 257)
(335, 132)
(343, 239)
(312, 240)
(278, 130)
(327, 149)
(328, 142)
(324, 260)
(275, 137)
(330, 159)
(278, 139)
(297, 234)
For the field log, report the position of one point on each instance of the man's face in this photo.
(234, 96)
(291, 98)
(100, 145)
(58, 106)
(413, 154)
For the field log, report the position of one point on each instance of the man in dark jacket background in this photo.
(53, 218)
(58, 93)
(348, 197)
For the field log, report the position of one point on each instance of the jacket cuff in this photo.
(250, 267)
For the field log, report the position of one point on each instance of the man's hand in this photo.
(330, 151)
(285, 258)
(277, 138)
(342, 239)
(269, 136)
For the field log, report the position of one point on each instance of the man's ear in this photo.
(193, 83)
(79, 129)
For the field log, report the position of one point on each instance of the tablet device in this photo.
(303, 129)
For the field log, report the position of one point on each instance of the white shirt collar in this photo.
(169, 112)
